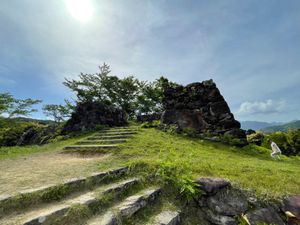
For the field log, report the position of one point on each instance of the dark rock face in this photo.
(90, 114)
(228, 202)
(212, 185)
(148, 118)
(264, 215)
(200, 106)
(292, 205)
(38, 135)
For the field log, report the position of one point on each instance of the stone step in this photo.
(31, 197)
(128, 208)
(166, 217)
(112, 133)
(105, 137)
(95, 148)
(58, 213)
(95, 142)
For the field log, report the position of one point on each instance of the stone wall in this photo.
(90, 114)
(222, 204)
(200, 106)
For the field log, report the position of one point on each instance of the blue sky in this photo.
(250, 48)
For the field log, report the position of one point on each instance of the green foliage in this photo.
(250, 167)
(16, 107)
(191, 132)
(151, 124)
(179, 178)
(100, 127)
(231, 140)
(135, 97)
(255, 138)
(55, 193)
(58, 112)
(288, 142)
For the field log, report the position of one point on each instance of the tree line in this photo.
(134, 96)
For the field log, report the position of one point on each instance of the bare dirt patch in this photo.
(41, 169)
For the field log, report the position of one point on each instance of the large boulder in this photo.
(201, 107)
(211, 185)
(291, 207)
(264, 216)
(90, 114)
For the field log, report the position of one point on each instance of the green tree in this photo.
(16, 107)
(58, 112)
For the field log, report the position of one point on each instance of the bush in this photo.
(289, 142)
(255, 138)
(151, 124)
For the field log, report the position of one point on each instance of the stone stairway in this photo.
(103, 141)
(109, 198)
(106, 198)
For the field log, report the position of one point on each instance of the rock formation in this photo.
(90, 114)
(200, 106)
(223, 204)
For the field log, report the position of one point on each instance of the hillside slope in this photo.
(283, 127)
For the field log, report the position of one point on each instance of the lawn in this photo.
(156, 152)
(250, 167)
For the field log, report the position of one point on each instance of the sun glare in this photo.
(81, 10)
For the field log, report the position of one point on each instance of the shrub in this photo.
(151, 124)
(255, 138)
(289, 142)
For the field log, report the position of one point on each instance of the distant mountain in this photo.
(284, 127)
(257, 125)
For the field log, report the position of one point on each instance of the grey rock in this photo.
(211, 185)
(228, 202)
(167, 218)
(44, 219)
(264, 215)
(88, 115)
(219, 219)
(292, 204)
(201, 107)
(136, 202)
(75, 183)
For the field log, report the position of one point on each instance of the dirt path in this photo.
(41, 169)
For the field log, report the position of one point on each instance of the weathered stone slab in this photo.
(107, 219)
(75, 182)
(44, 219)
(228, 202)
(211, 185)
(219, 219)
(89, 147)
(119, 187)
(167, 218)
(134, 203)
(264, 215)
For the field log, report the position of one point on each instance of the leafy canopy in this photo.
(16, 107)
(129, 93)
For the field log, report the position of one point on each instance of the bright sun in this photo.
(81, 10)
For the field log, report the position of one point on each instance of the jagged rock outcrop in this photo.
(38, 135)
(200, 106)
(222, 204)
(90, 114)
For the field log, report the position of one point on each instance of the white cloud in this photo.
(261, 107)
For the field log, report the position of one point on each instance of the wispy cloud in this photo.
(262, 107)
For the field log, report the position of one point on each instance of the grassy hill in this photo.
(179, 159)
(284, 127)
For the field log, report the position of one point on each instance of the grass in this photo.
(175, 159)
(250, 167)
(16, 151)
